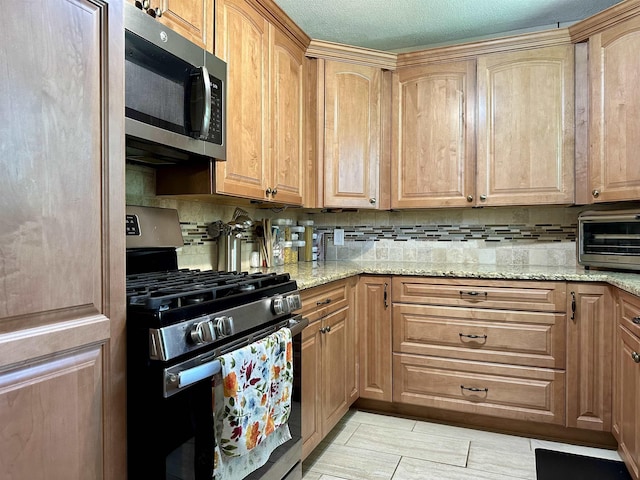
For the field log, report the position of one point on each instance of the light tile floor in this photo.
(367, 446)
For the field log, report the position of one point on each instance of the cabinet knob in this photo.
(635, 356)
(372, 201)
(636, 320)
(273, 192)
(469, 198)
(595, 193)
(483, 197)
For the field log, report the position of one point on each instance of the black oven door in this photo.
(171, 437)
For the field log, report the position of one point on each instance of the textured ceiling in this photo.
(396, 25)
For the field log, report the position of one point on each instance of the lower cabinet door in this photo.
(335, 368)
(515, 392)
(628, 390)
(311, 375)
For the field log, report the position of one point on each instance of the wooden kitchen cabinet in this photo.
(590, 328)
(627, 382)
(433, 152)
(242, 40)
(265, 109)
(288, 99)
(520, 152)
(374, 334)
(329, 359)
(265, 106)
(480, 346)
(62, 299)
(193, 19)
(352, 120)
(525, 127)
(614, 117)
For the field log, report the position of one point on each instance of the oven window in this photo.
(180, 461)
(617, 238)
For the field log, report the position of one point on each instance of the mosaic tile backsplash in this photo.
(500, 236)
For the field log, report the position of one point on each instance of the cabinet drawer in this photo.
(318, 302)
(630, 312)
(500, 294)
(522, 338)
(520, 393)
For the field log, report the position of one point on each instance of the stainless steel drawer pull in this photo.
(474, 389)
(635, 356)
(636, 320)
(484, 337)
(324, 302)
(473, 293)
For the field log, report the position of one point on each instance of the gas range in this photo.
(184, 311)
(179, 324)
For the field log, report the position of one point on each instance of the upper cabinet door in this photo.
(193, 19)
(287, 114)
(614, 131)
(242, 40)
(525, 127)
(433, 149)
(352, 135)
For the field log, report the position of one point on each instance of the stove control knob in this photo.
(280, 306)
(224, 326)
(294, 302)
(202, 332)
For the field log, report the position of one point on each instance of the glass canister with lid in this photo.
(308, 238)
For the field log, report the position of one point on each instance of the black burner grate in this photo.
(163, 291)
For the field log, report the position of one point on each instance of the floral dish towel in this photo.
(257, 381)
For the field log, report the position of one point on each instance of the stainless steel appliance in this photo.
(175, 94)
(609, 239)
(179, 322)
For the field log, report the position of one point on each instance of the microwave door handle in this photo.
(206, 116)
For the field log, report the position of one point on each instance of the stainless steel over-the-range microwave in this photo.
(609, 239)
(175, 94)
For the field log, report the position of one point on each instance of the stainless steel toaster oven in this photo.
(609, 239)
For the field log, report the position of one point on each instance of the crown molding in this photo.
(620, 12)
(352, 54)
(270, 10)
(576, 33)
(468, 51)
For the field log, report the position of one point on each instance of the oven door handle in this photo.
(297, 324)
(175, 381)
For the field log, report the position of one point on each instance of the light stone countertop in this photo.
(312, 274)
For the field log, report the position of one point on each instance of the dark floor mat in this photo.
(552, 465)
